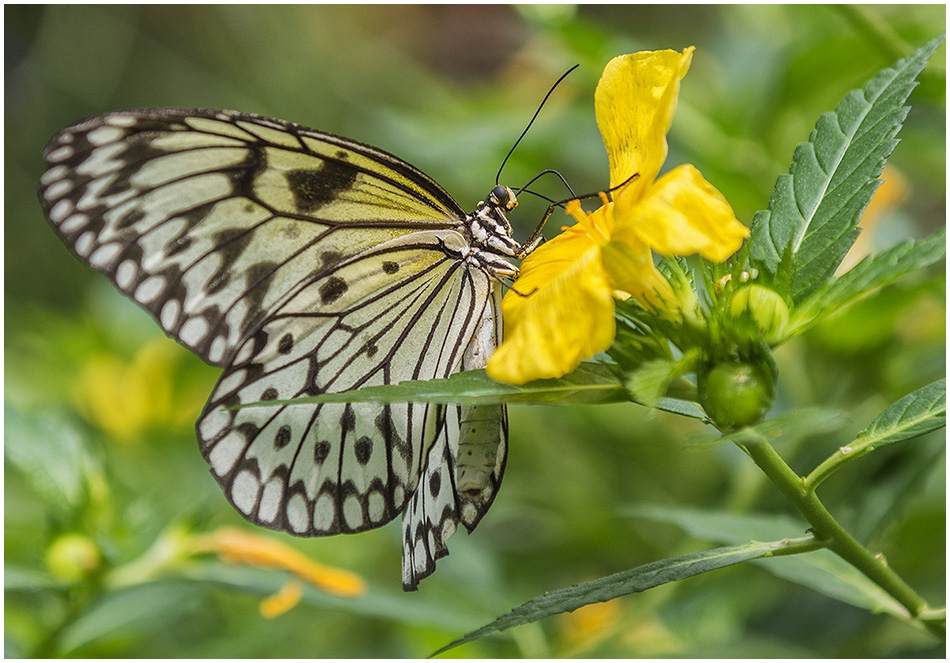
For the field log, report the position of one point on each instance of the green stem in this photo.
(802, 544)
(831, 465)
(832, 535)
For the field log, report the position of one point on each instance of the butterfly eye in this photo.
(504, 197)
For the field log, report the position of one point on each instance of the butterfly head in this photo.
(503, 197)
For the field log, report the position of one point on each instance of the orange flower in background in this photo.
(560, 311)
(238, 547)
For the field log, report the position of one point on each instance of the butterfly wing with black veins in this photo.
(302, 263)
(465, 467)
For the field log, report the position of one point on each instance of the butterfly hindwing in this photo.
(338, 468)
(464, 468)
(303, 263)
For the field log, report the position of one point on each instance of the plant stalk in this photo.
(833, 535)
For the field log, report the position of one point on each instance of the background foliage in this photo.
(100, 406)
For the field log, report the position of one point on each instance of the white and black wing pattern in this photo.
(464, 468)
(303, 263)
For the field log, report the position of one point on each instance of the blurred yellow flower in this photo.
(125, 399)
(560, 311)
(239, 547)
(588, 625)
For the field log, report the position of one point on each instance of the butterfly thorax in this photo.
(491, 232)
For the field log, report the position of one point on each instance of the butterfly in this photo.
(304, 263)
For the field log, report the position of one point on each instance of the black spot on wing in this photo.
(329, 258)
(348, 420)
(181, 244)
(321, 451)
(270, 394)
(363, 450)
(312, 189)
(130, 219)
(332, 290)
(286, 344)
(283, 437)
(390, 267)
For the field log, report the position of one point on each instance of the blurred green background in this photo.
(99, 441)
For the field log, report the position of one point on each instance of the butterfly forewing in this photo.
(208, 223)
(303, 263)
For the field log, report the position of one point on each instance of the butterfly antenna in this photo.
(536, 235)
(549, 171)
(588, 196)
(533, 118)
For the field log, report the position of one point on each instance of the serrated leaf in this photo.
(821, 570)
(811, 220)
(920, 412)
(589, 383)
(917, 413)
(871, 273)
(610, 587)
(648, 383)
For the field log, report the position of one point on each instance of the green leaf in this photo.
(871, 273)
(21, 579)
(917, 413)
(53, 456)
(821, 570)
(610, 587)
(810, 223)
(920, 412)
(785, 429)
(589, 383)
(134, 612)
(648, 383)
(444, 613)
(683, 408)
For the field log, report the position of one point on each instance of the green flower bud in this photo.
(736, 394)
(72, 557)
(766, 308)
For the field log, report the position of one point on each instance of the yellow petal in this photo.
(629, 267)
(549, 331)
(285, 599)
(550, 260)
(634, 103)
(682, 215)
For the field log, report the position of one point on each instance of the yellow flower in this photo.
(560, 311)
(128, 398)
(238, 547)
(125, 398)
